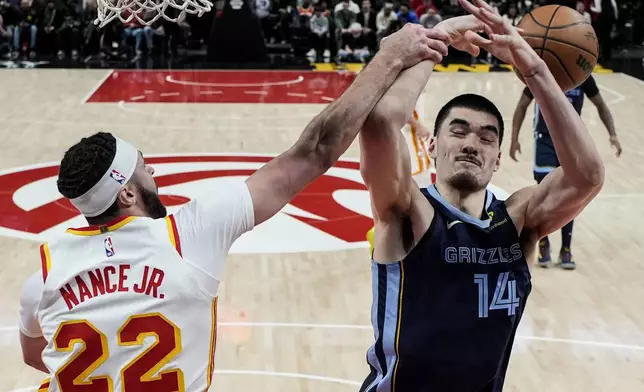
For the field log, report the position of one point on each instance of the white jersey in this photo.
(132, 305)
(420, 161)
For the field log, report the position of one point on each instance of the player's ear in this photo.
(127, 196)
(432, 147)
(497, 164)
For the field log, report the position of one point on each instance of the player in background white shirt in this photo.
(129, 302)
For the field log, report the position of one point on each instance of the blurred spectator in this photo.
(384, 17)
(451, 10)
(344, 18)
(27, 20)
(69, 37)
(6, 30)
(430, 18)
(133, 29)
(608, 14)
(52, 20)
(353, 7)
(512, 16)
(422, 8)
(319, 33)
(581, 8)
(406, 15)
(354, 45)
(367, 18)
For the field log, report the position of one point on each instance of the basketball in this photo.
(563, 38)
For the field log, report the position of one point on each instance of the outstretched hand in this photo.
(456, 28)
(414, 43)
(505, 41)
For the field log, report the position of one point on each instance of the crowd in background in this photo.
(332, 30)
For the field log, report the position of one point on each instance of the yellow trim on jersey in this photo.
(45, 258)
(400, 298)
(96, 230)
(213, 343)
(44, 386)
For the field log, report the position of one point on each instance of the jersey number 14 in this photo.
(505, 294)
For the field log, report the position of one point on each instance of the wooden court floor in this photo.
(294, 307)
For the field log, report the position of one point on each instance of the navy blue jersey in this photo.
(445, 317)
(545, 156)
(575, 96)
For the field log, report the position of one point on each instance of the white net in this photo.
(148, 11)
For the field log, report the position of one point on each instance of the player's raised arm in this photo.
(384, 158)
(517, 121)
(565, 192)
(331, 132)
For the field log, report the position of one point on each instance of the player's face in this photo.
(148, 191)
(466, 150)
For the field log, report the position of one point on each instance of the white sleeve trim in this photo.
(30, 296)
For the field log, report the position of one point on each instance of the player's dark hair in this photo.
(470, 101)
(83, 165)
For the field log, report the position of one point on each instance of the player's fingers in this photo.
(477, 40)
(437, 34)
(438, 46)
(504, 40)
(482, 4)
(495, 20)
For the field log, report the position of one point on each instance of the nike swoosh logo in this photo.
(450, 224)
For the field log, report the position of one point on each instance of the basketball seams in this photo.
(561, 63)
(557, 27)
(545, 34)
(562, 42)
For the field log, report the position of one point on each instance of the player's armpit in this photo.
(32, 349)
(551, 204)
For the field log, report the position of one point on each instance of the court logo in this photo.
(331, 213)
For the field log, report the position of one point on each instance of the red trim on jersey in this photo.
(174, 232)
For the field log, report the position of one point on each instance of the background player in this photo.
(133, 275)
(546, 157)
(450, 274)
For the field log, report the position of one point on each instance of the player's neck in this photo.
(471, 203)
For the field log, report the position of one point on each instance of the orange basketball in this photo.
(563, 38)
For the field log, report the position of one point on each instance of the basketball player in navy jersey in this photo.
(450, 271)
(546, 158)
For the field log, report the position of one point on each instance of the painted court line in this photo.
(97, 86)
(265, 373)
(299, 79)
(7, 329)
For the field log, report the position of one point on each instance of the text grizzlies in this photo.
(473, 255)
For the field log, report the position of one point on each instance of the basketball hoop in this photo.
(147, 12)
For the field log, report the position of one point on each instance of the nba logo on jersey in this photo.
(109, 249)
(120, 178)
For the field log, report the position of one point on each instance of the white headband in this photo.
(102, 195)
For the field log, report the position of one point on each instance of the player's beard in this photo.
(464, 182)
(152, 203)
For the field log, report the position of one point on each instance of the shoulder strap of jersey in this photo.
(45, 260)
(173, 233)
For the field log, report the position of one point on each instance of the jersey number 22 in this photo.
(505, 294)
(74, 376)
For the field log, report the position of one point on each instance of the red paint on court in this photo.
(222, 87)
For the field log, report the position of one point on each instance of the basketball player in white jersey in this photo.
(129, 302)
